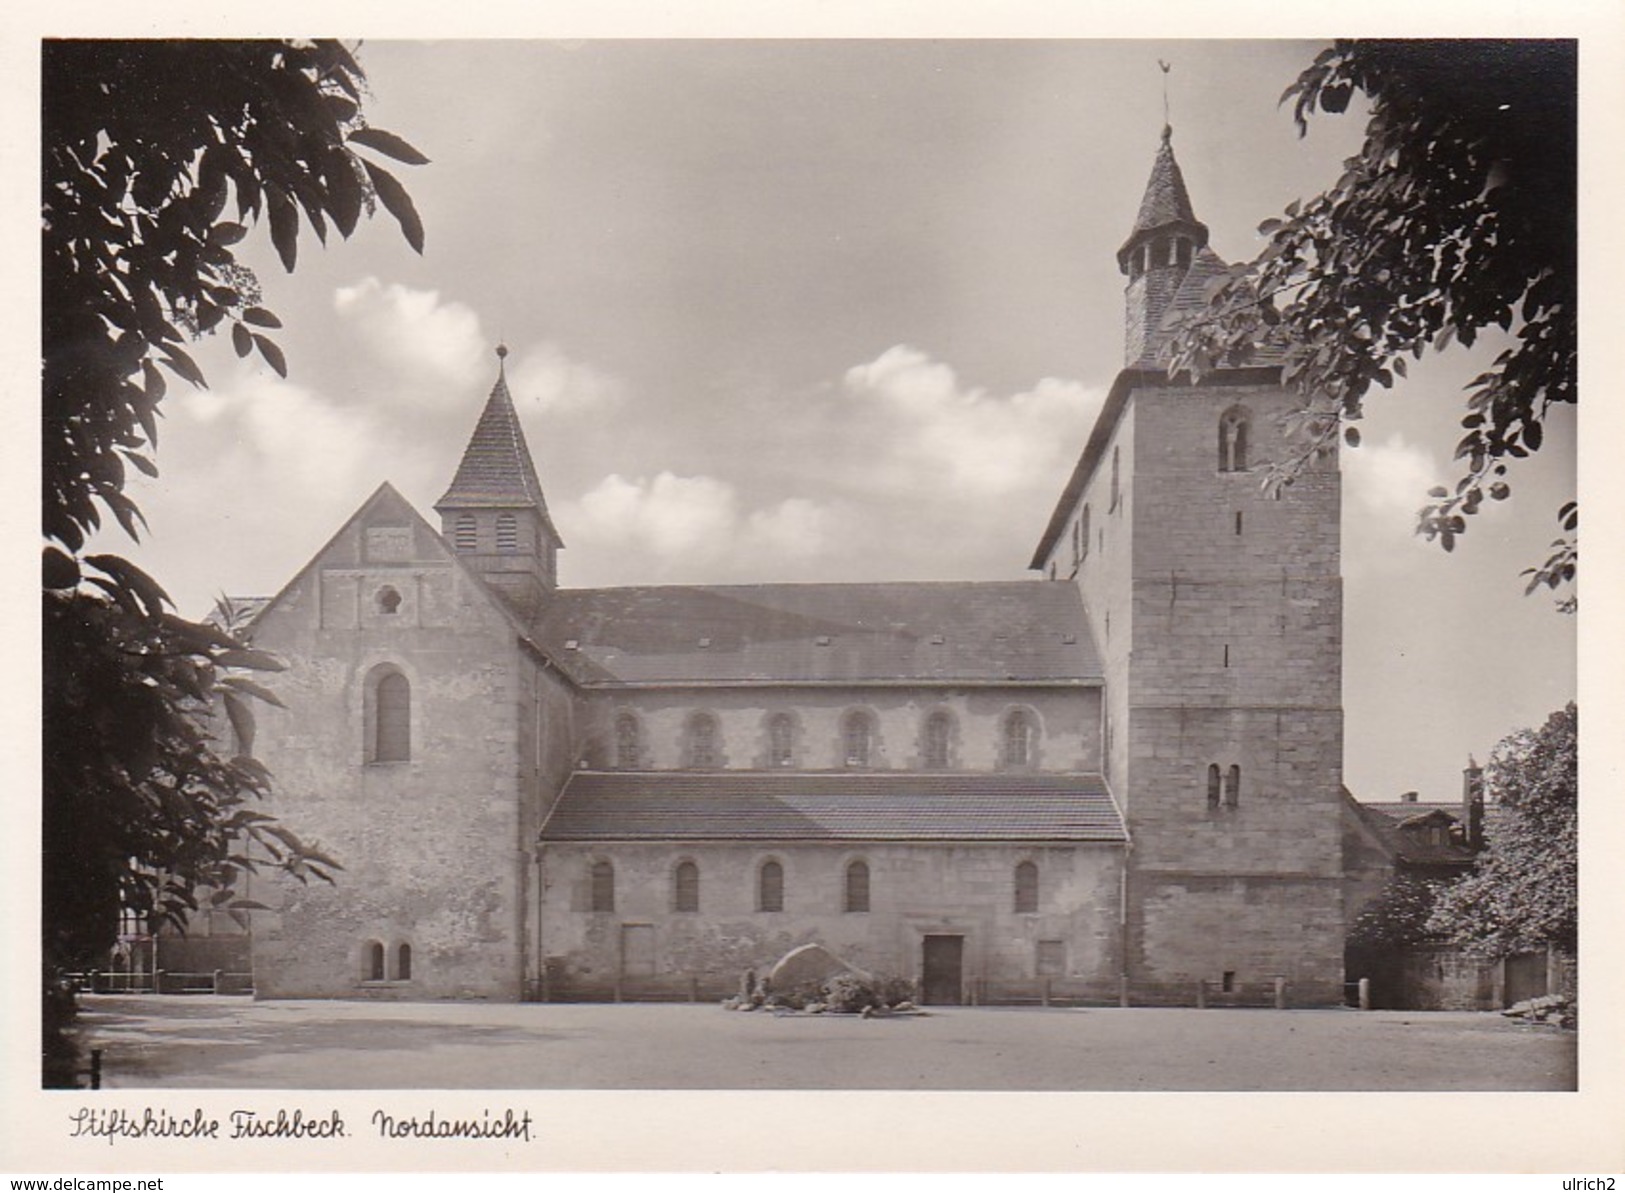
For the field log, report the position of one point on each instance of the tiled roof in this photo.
(496, 469)
(964, 632)
(774, 806)
(1389, 821)
(1165, 202)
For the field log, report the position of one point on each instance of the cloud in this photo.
(543, 374)
(966, 441)
(690, 528)
(436, 347)
(1390, 477)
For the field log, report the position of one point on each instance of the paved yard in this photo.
(205, 1042)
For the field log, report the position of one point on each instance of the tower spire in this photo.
(494, 513)
(1166, 240)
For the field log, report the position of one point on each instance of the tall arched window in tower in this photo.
(857, 886)
(1232, 788)
(1215, 786)
(1027, 888)
(1019, 735)
(702, 749)
(939, 728)
(628, 742)
(770, 887)
(686, 887)
(1233, 440)
(857, 737)
(602, 878)
(781, 739)
(507, 534)
(388, 716)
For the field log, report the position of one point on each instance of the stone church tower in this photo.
(1218, 611)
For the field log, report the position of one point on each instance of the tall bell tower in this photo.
(1218, 611)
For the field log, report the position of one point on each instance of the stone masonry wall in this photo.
(1068, 721)
(915, 889)
(430, 846)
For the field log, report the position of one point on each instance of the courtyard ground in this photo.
(208, 1042)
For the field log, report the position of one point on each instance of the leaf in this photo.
(227, 233)
(272, 354)
(242, 722)
(254, 660)
(284, 225)
(398, 203)
(260, 317)
(61, 571)
(240, 683)
(388, 144)
(150, 593)
(183, 365)
(241, 340)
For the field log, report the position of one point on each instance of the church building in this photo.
(1120, 778)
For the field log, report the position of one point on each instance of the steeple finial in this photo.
(1167, 121)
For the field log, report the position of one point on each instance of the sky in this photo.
(824, 310)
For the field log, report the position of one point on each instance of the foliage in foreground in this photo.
(1457, 215)
(159, 157)
(1524, 894)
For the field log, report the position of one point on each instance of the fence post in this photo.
(617, 987)
(1365, 994)
(1201, 994)
(218, 975)
(693, 988)
(1122, 991)
(1280, 994)
(1044, 994)
(157, 981)
(95, 1068)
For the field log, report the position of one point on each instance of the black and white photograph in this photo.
(882, 562)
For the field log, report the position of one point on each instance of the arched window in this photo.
(389, 600)
(465, 535)
(628, 742)
(938, 731)
(781, 734)
(1232, 788)
(1026, 888)
(403, 963)
(1117, 491)
(603, 886)
(1019, 735)
(507, 534)
(1233, 440)
(770, 887)
(389, 719)
(685, 895)
(372, 965)
(1214, 786)
(857, 738)
(702, 741)
(857, 886)
(1182, 252)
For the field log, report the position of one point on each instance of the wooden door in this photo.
(942, 973)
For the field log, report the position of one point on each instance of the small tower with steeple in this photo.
(1158, 256)
(494, 514)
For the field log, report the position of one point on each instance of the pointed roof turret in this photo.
(497, 471)
(1165, 206)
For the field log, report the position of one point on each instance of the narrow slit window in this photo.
(1214, 786)
(1232, 788)
(686, 887)
(770, 887)
(857, 886)
(938, 729)
(603, 886)
(1027, 888)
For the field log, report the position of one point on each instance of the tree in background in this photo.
(146, 145)
(1457, 215)
(1524, 894)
